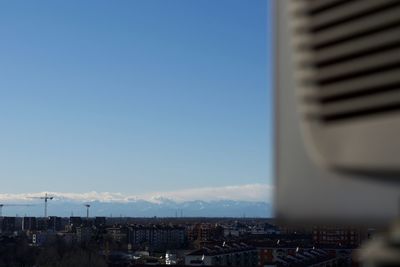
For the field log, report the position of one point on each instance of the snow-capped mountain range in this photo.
(251, 200)
(143, 208)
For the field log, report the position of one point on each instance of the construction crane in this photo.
(87, 211)
(46, 198)
(12, 205)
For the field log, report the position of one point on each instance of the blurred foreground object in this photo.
(384, 250)
(346, 69)
(338, 112)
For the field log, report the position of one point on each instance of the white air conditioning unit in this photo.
(338, 109)
(347, 72)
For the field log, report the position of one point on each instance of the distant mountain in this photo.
(161, 207)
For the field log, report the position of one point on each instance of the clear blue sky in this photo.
(134, 96)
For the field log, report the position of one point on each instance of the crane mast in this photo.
(46, 198)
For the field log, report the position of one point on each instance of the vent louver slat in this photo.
(320, 6)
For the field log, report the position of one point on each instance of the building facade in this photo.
(157, 236)
(227, 255)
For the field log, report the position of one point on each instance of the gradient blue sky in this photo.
(134, 96)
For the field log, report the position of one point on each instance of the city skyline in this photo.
(135, 97)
